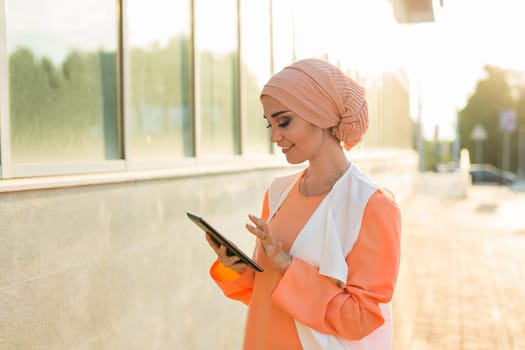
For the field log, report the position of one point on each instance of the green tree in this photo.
(63, 111)
(491, 95)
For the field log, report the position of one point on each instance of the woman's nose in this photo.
(276, 135)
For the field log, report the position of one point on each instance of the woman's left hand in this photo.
(271, 246)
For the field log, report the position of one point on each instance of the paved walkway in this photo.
(462, 277)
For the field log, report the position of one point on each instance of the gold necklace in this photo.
(307, 193)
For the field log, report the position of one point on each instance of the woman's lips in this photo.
(285, 149)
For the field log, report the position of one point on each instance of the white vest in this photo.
(338, 219)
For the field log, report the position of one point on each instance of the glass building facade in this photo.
(119, 116)
(99, 85)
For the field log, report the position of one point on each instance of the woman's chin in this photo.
(293, 160)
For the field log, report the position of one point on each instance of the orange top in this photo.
(275, 300)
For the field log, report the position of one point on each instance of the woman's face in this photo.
(299, 139)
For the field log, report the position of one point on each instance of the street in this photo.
(462, 277)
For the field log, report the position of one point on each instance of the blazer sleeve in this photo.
(234, 285)
(351, 312)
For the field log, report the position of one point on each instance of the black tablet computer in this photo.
(219, 239)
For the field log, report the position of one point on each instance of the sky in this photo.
(466, 35)
(444, 59)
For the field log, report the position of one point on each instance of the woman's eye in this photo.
(283, 124)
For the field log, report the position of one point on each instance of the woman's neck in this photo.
(323, 172)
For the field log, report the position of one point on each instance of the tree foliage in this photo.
(57, 110)
(492, 94)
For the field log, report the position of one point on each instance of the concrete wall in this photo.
(119, 266)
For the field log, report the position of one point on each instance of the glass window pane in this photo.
(62, 80)
(160, 74)
(283, 33)
(216, 46)
(255, 46)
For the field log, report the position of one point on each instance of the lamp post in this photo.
(521, 153)
(507, 124)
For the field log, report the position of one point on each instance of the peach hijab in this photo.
(323, 95)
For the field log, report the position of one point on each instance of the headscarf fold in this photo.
(322, 94)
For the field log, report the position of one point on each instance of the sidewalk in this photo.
(462, 276)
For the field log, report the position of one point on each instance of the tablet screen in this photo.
(219, 239)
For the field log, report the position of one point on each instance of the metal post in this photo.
(521, 153)
(479, 151)
(457, 142)
(420, 140)
(505, 161)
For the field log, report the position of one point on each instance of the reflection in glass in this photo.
(216, 46)
(255, 55)
(62, 80)
(160, 74)
(397, 102)
(283, 33)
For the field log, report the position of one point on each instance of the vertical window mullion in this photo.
(194, 126)
(124, 80)
(241, 115)
(197, 132)
(5, 147)
(121, 4)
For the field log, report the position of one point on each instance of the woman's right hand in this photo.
(231, 262)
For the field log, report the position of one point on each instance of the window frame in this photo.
(39, 171)
(5, 137)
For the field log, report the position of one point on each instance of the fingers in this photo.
(271, 246)
(222, 255)
(260, 230)
(231, 262)
(256, 232)
(219, 250)
(212, 243)
(227, 260)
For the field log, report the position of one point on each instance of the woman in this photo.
(328, 237)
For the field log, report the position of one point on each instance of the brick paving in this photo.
(462, 276)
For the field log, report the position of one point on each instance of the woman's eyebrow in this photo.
(276, 114)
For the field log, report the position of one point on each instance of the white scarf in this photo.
(338, 218)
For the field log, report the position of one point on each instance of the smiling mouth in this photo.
(286, 149)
